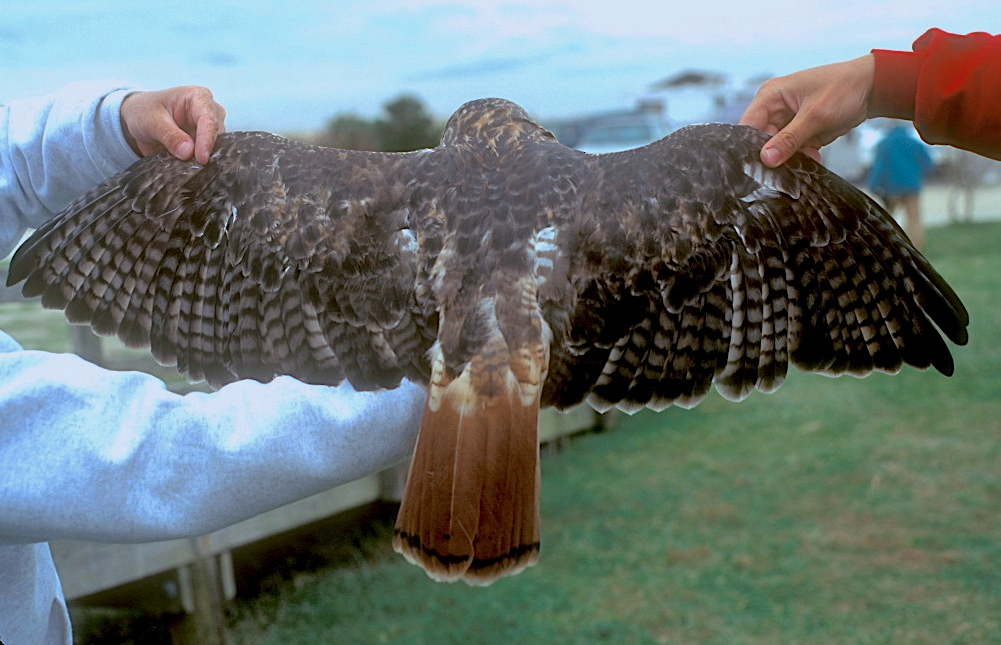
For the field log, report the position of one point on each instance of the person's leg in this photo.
(915, 227)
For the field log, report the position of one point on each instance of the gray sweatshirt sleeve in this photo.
(113, 456)
(55, 147)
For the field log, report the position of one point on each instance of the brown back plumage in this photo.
(506, 272)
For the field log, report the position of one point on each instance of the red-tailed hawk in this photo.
(504, 271)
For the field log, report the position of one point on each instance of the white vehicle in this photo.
(614, 134)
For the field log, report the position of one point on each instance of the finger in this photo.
(207, 129)
(755, 116)
(209, 120)
(205, 137)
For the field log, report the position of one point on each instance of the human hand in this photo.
(811, 108)
(184, 120)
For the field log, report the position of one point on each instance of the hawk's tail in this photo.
(471, 507)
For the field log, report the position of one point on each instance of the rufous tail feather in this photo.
(470, 510)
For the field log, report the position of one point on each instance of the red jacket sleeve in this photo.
(949, 85)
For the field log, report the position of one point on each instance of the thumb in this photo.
(164, 132)
(178, 143)
(781, 147)
(801, 133)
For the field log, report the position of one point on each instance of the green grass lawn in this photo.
(834, 511)
(37, 328)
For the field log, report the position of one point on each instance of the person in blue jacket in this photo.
(899, 168)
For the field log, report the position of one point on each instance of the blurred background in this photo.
(290, 66)
(602, 77)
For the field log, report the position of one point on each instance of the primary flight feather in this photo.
(504, 271)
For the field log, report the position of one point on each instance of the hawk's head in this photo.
(498, 123)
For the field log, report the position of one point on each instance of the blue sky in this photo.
(290, 65)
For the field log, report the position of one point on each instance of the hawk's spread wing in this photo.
(693, 263)
(275, 258)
